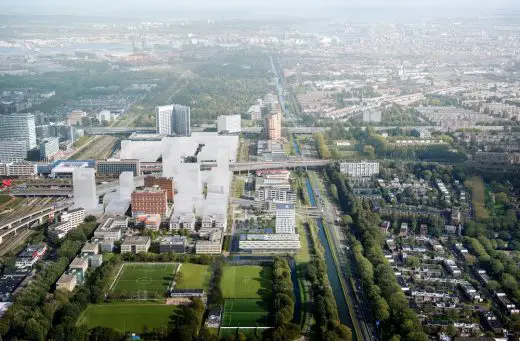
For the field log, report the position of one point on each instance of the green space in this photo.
(476, 186)
(193, 276)
(249, 281)
(246, 313)
(4, 198)
(249, 333)
(147, 279)
(136, 318)
(303, 255)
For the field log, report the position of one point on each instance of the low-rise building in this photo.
(111, 228)
(175, 244)
(212, 245)
(30, 255)
(184, 296)
(66, 282)
(183, 221)
(214, 317)
(10, 281)
(359, 169)
(136, 244)
(89, 249)
(59, 230)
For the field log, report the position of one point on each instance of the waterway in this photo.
(332, 273)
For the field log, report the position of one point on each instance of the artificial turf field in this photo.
(246, 313)
(127, 317)
(193, 276)
(144, 279)
(246, 281)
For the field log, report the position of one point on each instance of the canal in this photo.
(332, 273)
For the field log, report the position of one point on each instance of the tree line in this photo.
(390, 306)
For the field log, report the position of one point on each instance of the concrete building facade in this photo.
(19, 127)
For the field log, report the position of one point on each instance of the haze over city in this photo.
(260, 170)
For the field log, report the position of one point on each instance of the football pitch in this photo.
(247, 281)
(246, 313)
(144, 280)
(193, 276)
(135, 318)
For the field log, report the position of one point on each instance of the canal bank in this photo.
(332, 270)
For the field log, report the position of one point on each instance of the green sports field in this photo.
(127, 317)
(247, 281)
(246, 313)
(146, 279)
(193, 276)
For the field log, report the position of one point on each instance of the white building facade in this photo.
(229, 124)
(19, 127)
(359, 169)
(285, 218)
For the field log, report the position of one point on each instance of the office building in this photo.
(84, 188)
(65, 169)
(229, 124)
(274, 194)
(164, 183)
(49, 147)
(273, 126)
(114, 167)
(12, 150)
(181, 120)
(175, 244)
(19, 127)
(269, 243)
(359, 169)
(58, 231)
(75, 216)
(173, 119)
(136, 244)
(150, 200)
(285, 218)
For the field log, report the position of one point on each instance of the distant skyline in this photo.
(127, 6)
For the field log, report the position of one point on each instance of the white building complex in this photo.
(229, 124)
(270, 243)
(359, 169)
(49, 147)
(12, 150)
(173, 119)
(84, 188)
(69, 220)
(19, 127)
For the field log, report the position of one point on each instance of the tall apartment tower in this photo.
(273, 126)
(84, 187)
(19, 127)
(173, 119)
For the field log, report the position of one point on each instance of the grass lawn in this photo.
(250, 332)
(194, 276)
(303, 255)
(4, 198)
(146, 278)
(247, 281)
(133, 318)
(476, 186)
(246, 313)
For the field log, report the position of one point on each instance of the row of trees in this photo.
(390, 305)
(32, 313)
(167, 257)
(502, 268)
(321, 146)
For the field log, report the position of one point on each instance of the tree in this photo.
(90, 219)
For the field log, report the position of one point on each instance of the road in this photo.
(363, 316)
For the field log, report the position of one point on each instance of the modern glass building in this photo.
(19, 127)
(173, 119)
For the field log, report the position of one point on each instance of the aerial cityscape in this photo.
(276, 172)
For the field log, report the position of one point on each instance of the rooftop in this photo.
(137, 240)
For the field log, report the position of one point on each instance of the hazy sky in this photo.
(115, 6)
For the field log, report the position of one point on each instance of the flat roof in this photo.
(137, 240)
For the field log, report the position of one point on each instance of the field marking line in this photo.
(117, 276)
